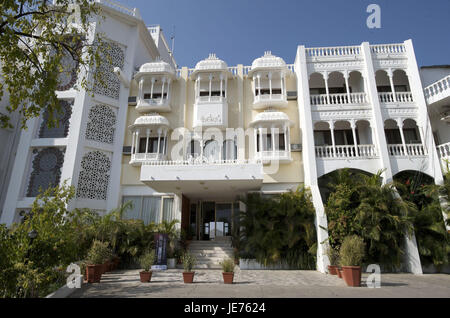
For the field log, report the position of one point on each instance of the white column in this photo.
(151, 90)
(137, 141)
(285, 137)
(146, 141)
(353, 125)
(259, 85)
(221, 85)
(133, 136)
(254, 83)
(288, 138)
(270, 84)
(400, 127)
(165, 143)
(261, 145)
(346, 75)
(168, 88)
(162, 88)
(391, 81)
(331, 123)
(281, 84)
(325, 78)
(210, 86)
(272, 132)
(226, 87)
(255, 133)
(141, 89)
(159, 140)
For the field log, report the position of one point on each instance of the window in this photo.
(281, 145)
(149, 209)
(393, 136)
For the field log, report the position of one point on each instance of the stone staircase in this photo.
(209, 254)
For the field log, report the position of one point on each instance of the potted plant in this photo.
(228, 270)
(333, 256)
(94, 262)
(146, 261)
(352, 253)
(188, 263)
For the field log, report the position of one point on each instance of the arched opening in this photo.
(401, 82)
(393, 87)
(316, 84)
(404, 140)
(383, 82)
(356, 82)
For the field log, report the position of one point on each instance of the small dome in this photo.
(211, 63)
(271, 116)
(151, 120)
(268, 61)
(158, 66)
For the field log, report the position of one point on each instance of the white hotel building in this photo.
(268, 127)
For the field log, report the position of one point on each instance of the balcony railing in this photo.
(339, 99)
(269, 155)
(437, 90)
(346, 151)
(407, 150)
(199, 161)
(121, 8)
(333, 51)
(156, 101)
(268, 97)
(210, 99)
(144, 157)
(388, 48)
(400, 97)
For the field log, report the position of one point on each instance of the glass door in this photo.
(208, 220)
(224, 219)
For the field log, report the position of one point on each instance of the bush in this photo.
(188, 261)
(98, 253)
(333, 255)
(279, 230)
(227, 265)
(352, 251)
(147, 259)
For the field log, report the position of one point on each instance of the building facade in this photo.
(188, 143)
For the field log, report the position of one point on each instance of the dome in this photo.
(271, 116)
(158, 66)
(151, 120)
(211, 63)
(268, 61)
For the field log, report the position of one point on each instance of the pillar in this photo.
(400, 127)
(353, 126)
(333, 144)
(391, 81)
(325, 78)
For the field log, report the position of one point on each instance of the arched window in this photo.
(94, 176)
(61, 129)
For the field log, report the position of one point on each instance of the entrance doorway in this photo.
(210, 219)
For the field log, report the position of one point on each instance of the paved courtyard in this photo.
(256, 284)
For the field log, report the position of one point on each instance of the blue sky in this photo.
(239, 31)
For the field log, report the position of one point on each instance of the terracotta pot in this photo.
(116, 262)
(188, 277)
(93, 273)
(339, 272)
(228, 278)
(352, 275)
(145, 276)
(333, 269)
(104, 267)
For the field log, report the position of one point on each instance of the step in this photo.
(212, 254)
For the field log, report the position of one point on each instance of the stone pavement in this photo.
(262, 283)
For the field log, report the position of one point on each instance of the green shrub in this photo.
(188, 261)
(333, 255)
(98, 253)
(147, 259)
(352, 251)
(279, 230)
(227, 265)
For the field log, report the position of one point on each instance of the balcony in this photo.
(438, 91)
(153, 105)
(203, 176)
(211, 111)
(270, 100)
(346, 152)
(407, 150)
(138, 159)
(444, 154)
(339, 99)
(398, 97)
(282, 156)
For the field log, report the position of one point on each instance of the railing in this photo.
(333, 51)
(400, 97)
(273, 155)
(233, 70)
(388, 48)
(291, 67)
(247, 69)
(210, 99)
(444, 151)
(156, 101)
(147, 156)
(438, 88)
(121, 8)
(199, 161)
(324, 99)
(268, 97)
(346, 151)
(411, 150)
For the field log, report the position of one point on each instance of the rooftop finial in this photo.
(212, 56)
(267, 53)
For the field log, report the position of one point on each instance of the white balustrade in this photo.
(346, 151)
(388, 48)
(199, 161)
(355, 98)
(266, 97)
(273, 155)
(140, 157)
(233, 70)
(120, 7)
(412, 150)
(156, 101)
(401, 97)
(438, 88)
(333, 51)
(444, 151)
(210, 99)
(291, 67)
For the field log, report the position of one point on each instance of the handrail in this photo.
(437, 87)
